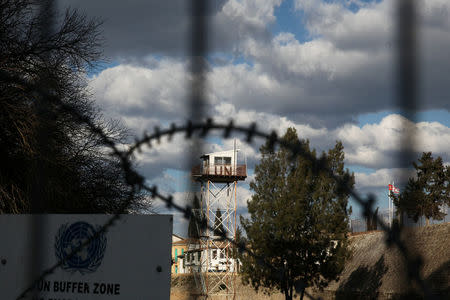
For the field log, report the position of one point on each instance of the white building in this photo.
(196, 260)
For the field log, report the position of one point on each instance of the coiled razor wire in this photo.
(198, 129)
(202, 129)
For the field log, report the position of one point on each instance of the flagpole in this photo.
(392, 201)
(389, 209)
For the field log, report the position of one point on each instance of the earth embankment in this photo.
(379, 271)
(374, 271)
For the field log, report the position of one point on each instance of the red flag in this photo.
(394, 189)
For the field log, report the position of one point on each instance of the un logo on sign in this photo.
(70, 238)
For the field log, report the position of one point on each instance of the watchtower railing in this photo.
(220, 170)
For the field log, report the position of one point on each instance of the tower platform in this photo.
(219, 173)
(221, 167)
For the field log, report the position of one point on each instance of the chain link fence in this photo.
(200, 126)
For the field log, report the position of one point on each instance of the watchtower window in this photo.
(222, 160)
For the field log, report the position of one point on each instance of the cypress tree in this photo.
(195, 221)
(298, 219)
(219, 229)
(426, 193)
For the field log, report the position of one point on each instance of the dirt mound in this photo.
(375, 271)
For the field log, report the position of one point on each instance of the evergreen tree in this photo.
(195, 222)
(240, 242)
(219, 229)
(298, 219)
(425, 194)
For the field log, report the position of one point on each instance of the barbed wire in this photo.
(137, 181)
(201, 129)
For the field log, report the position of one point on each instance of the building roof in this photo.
(176, 237)
(182, 242)
(227, 152)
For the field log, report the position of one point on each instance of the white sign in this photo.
(132, 260)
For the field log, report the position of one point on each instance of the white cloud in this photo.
(372, 145)
(250, 178)
(243, 195)
(369, 29)
(316, 86)
(145, 97)
(382, 177)
(346, 68)
(136, 28)
(138, 92)
(377, 145)
(255, 12)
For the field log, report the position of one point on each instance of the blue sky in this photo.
(289, 20)
(435, 115)
(322, 67)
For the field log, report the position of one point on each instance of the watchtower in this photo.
(218, 175)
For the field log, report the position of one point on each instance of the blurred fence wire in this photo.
(199, 126)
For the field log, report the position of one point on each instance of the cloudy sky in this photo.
(326, 68)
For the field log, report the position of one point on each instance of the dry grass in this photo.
(376, 271)
(373, 272)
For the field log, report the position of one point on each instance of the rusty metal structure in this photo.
(218, 177)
